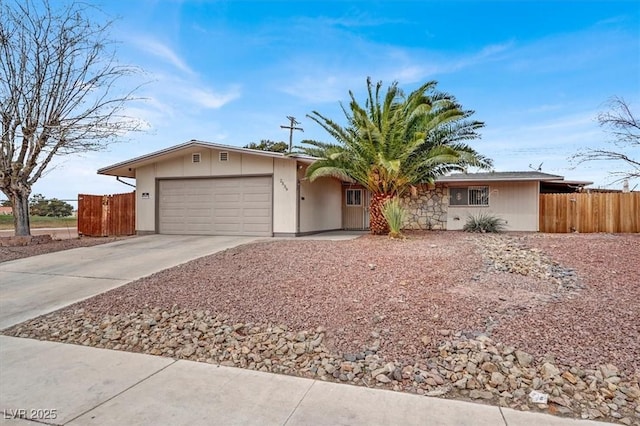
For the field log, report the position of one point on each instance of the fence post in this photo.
(105, 216)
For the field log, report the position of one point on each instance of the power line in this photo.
(292, 127)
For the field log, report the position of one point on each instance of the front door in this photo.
(355, 211)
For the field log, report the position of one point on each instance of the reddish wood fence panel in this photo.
(107, 215)
(590, 212)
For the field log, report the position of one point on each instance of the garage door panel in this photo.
(174, 211)
(229, 219)
(257, 228)
(172, 228)
(222, 206)
(228, 228)
(256, 182)
(256, 198)
(256, 213)
(197, 228)
(224, 213)
(227, 198)
(199, 209)
(196, 199)
(205, 220)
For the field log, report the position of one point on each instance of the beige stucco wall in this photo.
(515, 202)
(320, 204)
(285, 219)
(146, 207)
(283, 171)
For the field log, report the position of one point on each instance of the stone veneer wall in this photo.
(428, 209)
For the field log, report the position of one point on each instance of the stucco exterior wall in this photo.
(285, 218)
(146, 199)
(515, 202)
(428, 209)
(283, 171)
(320, 204)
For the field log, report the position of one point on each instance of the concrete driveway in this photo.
(37, 285)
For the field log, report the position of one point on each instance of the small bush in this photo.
(484, 222)
(395, 214)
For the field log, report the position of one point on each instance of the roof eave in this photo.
(131, 164)
(439, 180)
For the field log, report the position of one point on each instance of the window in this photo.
(195, 158)
(479, 196)
(224, 156)
(354, 197)
(469, 196)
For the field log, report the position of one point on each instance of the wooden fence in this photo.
(107, 215)
(585, 212)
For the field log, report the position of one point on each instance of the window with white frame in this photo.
(354, 197)
(469, 196)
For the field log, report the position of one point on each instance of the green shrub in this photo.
(395, 214)
(484, 222)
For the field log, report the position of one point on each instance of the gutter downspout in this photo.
(126, 183)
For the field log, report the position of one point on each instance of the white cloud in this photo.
(163, 52)
(321, 87)
(350, 20)
(318, 79)
(209, 99)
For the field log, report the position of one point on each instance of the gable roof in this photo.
(127, 168)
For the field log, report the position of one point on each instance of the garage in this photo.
(216, 206)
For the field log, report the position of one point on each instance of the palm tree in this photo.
(393, 144)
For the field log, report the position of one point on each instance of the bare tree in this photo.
(624, 128)
(58, 92)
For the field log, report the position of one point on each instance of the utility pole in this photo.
(292, 127)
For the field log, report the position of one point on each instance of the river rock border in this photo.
(510, 254)
(459, 367)
(26, 240)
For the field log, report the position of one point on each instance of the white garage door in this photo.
(222, 206)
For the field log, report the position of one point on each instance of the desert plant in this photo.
(394, 142)
(484, 222)
(395, 215)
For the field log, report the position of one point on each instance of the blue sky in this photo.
(537, 73)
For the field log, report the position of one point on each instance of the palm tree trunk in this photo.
(377, 223)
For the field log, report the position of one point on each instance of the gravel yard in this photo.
(554, 313)
(19, 252)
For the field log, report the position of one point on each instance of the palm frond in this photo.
(394, 141)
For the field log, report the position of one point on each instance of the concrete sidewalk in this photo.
(79, 385)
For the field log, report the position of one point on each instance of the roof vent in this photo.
(195, 158)
(224, 156)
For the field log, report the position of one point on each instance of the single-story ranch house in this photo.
(212, 189)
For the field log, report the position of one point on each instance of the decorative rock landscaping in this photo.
(475, 369)
(27, 240)
(510, 254)
(428, 315)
